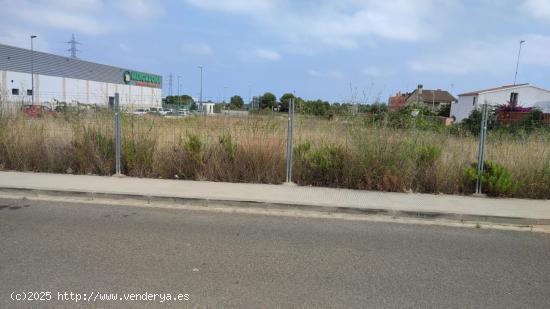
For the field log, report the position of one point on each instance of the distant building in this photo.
(72, 81)
(207, 108)
(434, 99)
(398, 101)
(522, 95)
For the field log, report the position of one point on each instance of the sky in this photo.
(336, 50)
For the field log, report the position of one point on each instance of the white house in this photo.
(523, 94)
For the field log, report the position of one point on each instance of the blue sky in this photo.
(337, 50)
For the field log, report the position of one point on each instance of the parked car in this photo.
(154, 110)
(158, 111)
(164, 111)
(176, 114)
(140, 112)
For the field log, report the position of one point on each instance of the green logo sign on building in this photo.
(133, 76)
(127, 77)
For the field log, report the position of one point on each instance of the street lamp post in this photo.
(32, 67)
(200, 94)
(517, 64)
(249, 95)
(179, 94)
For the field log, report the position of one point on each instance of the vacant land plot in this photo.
(359, 152)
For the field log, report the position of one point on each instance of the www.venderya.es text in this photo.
(97, 296)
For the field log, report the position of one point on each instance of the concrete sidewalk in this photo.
(532, 212)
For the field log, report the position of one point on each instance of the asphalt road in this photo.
(255, 261)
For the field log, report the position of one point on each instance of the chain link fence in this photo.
(377, 151)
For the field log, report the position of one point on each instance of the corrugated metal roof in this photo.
(19, 60)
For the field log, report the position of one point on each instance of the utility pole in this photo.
(224, 93)
(32, 67)
(179, 93)
(517, 64)
(170, 84)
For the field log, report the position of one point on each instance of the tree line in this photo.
(269, 102)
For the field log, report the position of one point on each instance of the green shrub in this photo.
(327, 158)
(386, 163)
(323, 166)
(473, 122)
(495, 179)
(532, 120)
(190, 158)
(137, 156)
(94, 151)
(426, 157)
(301, 149)
(229, 148)
(193, 146)
(536, 183)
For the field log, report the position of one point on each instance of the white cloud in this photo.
(536, 50)
(494, 57)
(538, 8)
(78, 5)
(140, 8)
(196, 49)
(63, 20)
(375, 71)
(343, 24)
(78, 16)
(260, 54)
(21, 38)
(327, 74)
(125, 48)
(92, 17)
(237, 6)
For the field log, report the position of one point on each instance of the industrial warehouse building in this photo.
(59, 79)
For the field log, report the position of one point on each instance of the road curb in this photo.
(206, 202)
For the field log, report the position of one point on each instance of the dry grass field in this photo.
(351, 152)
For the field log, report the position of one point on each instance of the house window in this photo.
(15, 91)
(29, 91)
(514, 98)
(474, 101)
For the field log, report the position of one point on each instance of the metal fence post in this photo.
(117, 134)
(289, 141)
(481, 153)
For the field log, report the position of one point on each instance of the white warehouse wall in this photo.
(52, 89)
